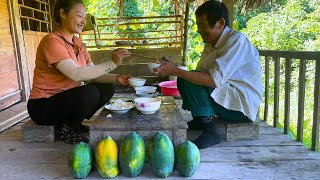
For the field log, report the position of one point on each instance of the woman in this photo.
(62, 63)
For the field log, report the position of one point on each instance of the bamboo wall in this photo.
(9, 82)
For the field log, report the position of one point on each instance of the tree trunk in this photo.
(229, 4)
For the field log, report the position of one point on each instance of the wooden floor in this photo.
(272, 156)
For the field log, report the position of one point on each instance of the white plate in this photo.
(152, 95)
(118, 111)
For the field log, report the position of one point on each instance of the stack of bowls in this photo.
(146, 91)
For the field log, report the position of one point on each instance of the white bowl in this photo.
(117, 111)
(183, 68)
(137, 82)
(147, 105)
(153, 65)
(145, 89)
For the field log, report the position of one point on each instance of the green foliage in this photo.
(132, 8)
(284, 30)
(242, 15)
(195, 43)
(293, 27)
(100, 8)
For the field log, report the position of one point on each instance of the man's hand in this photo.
(164, 58)
(167, 69)
(119, 54)
(123, 79)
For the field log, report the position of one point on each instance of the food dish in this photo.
(147, 105)
(119, 106)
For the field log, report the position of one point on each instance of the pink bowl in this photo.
(169, 88)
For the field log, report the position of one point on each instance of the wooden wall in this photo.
(32, 40)
(9, 82)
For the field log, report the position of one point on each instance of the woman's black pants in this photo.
(72, 106)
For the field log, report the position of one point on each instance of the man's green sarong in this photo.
(197, 99)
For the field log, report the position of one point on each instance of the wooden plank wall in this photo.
(8, 68)
(32, 40)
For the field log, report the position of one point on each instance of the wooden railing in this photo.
(285, 63)
(132, 32)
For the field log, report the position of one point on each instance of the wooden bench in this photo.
(167, 119)
(31, 132)
(234, 131)
(226, 130)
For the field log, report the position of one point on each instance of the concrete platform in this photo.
(31, 132)
(167, 119)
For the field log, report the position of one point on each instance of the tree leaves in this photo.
(293, 27)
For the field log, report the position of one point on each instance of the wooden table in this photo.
(167, 119)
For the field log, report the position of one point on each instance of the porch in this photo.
(273, 156)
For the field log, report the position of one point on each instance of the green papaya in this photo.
(132, 155)
(160, 153)
(80, 160)
(187, 158)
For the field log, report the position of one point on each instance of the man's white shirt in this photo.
(234, 65)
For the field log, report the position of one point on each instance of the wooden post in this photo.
(316, 110)
(276, 90)
(53, 21)
(19, 49)
(185, 33)
(121, 5)
(302, 80)
(266, 90)
(51, 16)
(229, 4)
(287, 96)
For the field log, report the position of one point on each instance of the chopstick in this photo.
(148, 57)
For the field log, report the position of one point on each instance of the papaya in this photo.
(106, 154)
(80, 160)
(132, 154)
(187, 158)
(160, 154)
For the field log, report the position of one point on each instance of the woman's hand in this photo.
(119, 54)
(123, 79)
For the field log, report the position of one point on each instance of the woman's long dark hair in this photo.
(66, 5)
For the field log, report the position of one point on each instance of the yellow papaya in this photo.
(106, 154)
